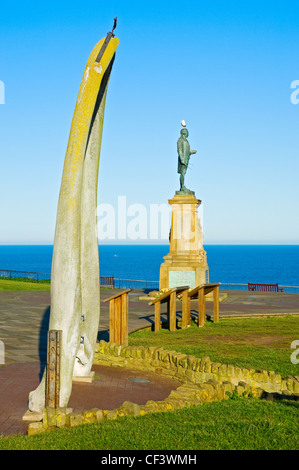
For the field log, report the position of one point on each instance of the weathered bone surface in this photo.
(75, 294)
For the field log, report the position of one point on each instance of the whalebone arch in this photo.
(75, 294)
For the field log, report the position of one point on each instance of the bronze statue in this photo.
(184, 154)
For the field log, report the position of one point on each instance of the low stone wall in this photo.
(190, 369)
(202, 381)
(185, 396)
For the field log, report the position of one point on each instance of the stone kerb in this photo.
(202, 381)
(190, 369)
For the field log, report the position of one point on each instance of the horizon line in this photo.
(165, 244)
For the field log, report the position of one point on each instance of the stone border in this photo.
(202, 381)
(191, 369)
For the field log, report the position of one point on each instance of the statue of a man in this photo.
(184, 154)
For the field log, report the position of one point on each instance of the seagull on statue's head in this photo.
(183, 123)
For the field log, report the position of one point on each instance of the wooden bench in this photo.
(119, 317)
(199, 293)
(264, 288)
(107, 281)
(170, 298)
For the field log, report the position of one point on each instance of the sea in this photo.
(231, 265)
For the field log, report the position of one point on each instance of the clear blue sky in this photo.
(225, 67)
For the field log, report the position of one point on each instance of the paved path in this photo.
(109, 391)
(24, 318)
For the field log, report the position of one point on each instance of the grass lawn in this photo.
(26, 284)
(242, 424)
(258, 343)
(23, 285)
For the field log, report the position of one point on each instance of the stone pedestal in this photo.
(186, 262)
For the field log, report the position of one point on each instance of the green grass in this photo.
(24, 283)
(16, 285)
(233, 424)
(262, 343)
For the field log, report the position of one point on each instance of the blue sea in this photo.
(232, 264)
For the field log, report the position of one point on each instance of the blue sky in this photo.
(225, 67)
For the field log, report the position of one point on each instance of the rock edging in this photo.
(191, 369)
(203, 381)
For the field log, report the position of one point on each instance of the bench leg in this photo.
(118, 320)
(201, 307)
(157, 316)
(125, 318)
(216, 304)
(186, 319)
(172, 312)
(112, 321)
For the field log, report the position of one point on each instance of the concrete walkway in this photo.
(24, 318)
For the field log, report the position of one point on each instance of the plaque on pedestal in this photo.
(186, 262)
(181, 278)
